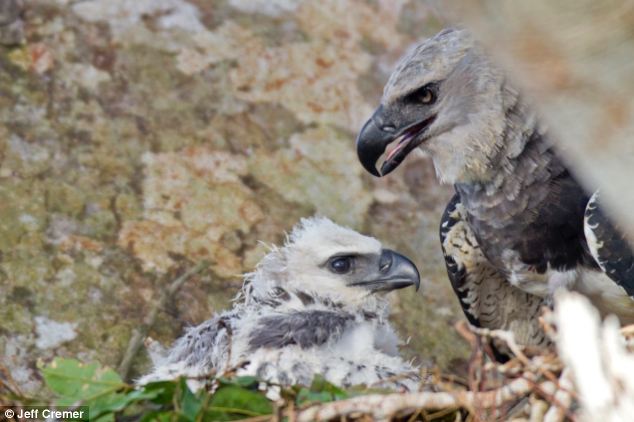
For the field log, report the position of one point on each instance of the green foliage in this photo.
(99, 388)
(106, 394)
(320, 391)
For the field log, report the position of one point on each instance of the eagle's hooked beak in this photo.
(371, 143)
(395, 272)
(375, 137)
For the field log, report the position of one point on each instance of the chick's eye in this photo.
(340, 265)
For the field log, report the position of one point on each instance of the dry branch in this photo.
(383, 407)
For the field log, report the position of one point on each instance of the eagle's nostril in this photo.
(388, 128)
(386, 261)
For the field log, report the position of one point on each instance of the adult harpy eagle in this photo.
(315, 306)
(519, 226)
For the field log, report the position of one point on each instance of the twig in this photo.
(7, 383)
(290, 412)
(140, 333)
(628, 330)
(546, 322)
(547, 390)
(538, 410)
(263, 418)
(508, 338)
(383, 407)
(563, 398)
(464, 330)
(505, 336)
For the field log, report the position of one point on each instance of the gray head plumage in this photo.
(446, 97)
(427, 62)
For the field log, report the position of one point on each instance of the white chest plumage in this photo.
(608, 296)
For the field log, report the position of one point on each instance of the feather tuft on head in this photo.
(297, 264)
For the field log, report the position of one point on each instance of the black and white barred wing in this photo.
(487, 298)
(608, 247)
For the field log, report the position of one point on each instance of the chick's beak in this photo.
(395, 271)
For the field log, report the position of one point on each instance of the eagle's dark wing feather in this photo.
(609, 247)
(487, 298)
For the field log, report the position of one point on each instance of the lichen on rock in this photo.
(191, 199)
(315, 169)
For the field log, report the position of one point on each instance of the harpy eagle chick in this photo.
(520, 225)
(315, 306)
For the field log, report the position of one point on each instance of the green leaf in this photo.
(245, 381)
(158, 415)
(320, 391)
(70, 379)
(306, 396)
(164, 391)
(321, 385)
(232, 403)
(190, 404)
(88, 384)
(118, 402)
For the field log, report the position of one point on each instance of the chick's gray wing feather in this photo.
(204, 344)
(303, 328)
(487, 298)
(609, 247)
(205, 349)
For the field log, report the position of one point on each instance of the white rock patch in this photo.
(266, 7)
(52, 334)
(123, 14)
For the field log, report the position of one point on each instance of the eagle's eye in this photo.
(425, 95)
(340, 264)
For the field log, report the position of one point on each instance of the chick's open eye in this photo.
(340, 264)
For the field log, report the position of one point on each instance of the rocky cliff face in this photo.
(140, 137)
